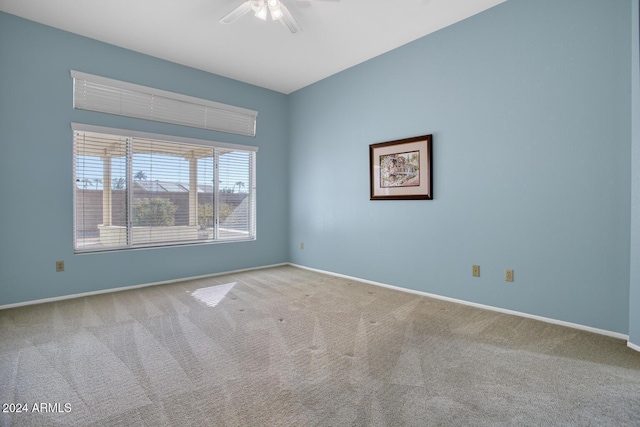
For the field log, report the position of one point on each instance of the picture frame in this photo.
(402, 169)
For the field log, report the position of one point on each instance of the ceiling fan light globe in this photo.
(262, 13)
(256, 5)
(276, 14)
(274, 7)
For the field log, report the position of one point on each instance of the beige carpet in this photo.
(290, 347)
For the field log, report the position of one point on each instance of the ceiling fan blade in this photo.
(289, 21)
(236, 13)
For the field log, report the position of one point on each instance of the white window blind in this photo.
(135, 189)
(96, 93)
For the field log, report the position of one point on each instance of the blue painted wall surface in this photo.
(36, 196)
(634, 289)
(529, 107)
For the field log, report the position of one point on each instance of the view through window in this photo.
(133, 191)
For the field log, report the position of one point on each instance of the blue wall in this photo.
(634, 291)
(528, 104)
(36, 196)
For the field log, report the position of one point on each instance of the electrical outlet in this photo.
(301, 245)
(508, 275)
(475, 270)
(59, 266)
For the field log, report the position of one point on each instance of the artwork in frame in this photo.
(401, 169)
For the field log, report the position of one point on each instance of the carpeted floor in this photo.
(289, 347)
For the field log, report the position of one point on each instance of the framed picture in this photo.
(402, 169)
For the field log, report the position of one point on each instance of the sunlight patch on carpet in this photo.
(212, 295)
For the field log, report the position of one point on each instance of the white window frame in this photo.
(222, 146)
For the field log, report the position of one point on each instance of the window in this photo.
(134, 189)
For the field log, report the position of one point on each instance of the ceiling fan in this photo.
(262, 8)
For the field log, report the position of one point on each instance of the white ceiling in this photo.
(336, 35)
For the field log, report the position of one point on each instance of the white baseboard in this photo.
(482, 306)
(633, 346)
(128, 288)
